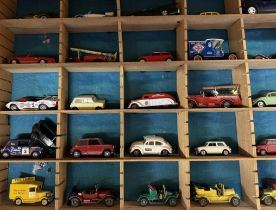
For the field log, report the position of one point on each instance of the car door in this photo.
(271, 99)
(83, 146)
(149, 147)
(146, 101)
(23, 147)
(272, 146)
(211, 148)
(94, 147)
(220, 147)
(210, 100)
(158, 147)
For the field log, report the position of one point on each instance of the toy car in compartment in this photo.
(213, 147)
(153, 100)
(93, 196)
(87, 102)
(84, 55)
(216, 194)
(91, 14)
(170, 9)
(216, 96)
(28, 191)
(21, 148)
(258, 6)
(33, 102)
(157, 56)
(266, 146)
(264, 98)
(91, 146)
(151, 145)
(40, 16)
(268, 193)
(158, 196)
(209, 49)
(30, 59)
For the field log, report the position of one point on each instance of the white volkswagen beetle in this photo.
(151, 145)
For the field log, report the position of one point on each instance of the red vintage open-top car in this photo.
(157, 56)
(30, 59)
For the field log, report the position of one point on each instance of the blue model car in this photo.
(259, 6)
(21, 147)
(209, 49)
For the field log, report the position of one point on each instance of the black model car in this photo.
(44, 132)
(259, 6)
(171, 9)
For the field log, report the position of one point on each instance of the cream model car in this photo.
(87, 102)
(151, 145)
(213, 147)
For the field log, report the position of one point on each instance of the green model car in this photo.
(264, 99)
(158, 196)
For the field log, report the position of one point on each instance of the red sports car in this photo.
(157, 56)
(30, 59)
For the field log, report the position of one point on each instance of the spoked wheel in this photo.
(172, 202)
(268, 201)
(109, 202)
(235, 201)
(75, 202)
(203, 202)
(43, 107)
(252, 10)
(144, 202)
(44, 202)
(18, 201)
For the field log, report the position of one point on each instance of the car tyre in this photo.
(14, 107)
(75, 108)
(203, 153)
(235, 201)
(106, 153)
(263, 152)
(226, 104)
(5, 154)
(134, 106)
(164, 152)
(43, 107)
(75, 202)
(44, 17)
(251, 10)
(168, 59)
(109, 202)
(198, 58)
(144, 202)
(42, 61)
(225, 152)
(136, 153)
(164, 12)
(44, 202)
(18, 202)
(232, 56)
(203, 202)
(98, 108)
(35, 154)
(268, 201)
(261, 104)
(76, 154)
(14, 61)
(172, 202)
(191, 104)
(142, 60)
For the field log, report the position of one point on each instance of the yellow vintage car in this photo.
(29, 190)
(216, 194)
(87, 102)
(209, 13)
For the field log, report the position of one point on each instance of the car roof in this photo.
(154, 137)
(215, 142)
(84, 96)
(220, 86)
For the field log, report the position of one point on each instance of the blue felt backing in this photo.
(266, 169)
(197, 6)
(139, 174)
(206, 126)
(261, 80)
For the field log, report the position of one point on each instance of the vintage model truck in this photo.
(268, 193)
(29, 190)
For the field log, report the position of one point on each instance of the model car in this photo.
(266, 146)
(33, 102)
(216, 96)
(170, 9)
(268, 193)
(209, 13)
(28, 190)
(261, 56)
(216, 194)
(258, 6)
(44, 132)
(84, 55)
(153, 100)
(213, 147)
(21, 147)
(30, 59)
(264, 98)
(91, 146)
(269, 183)
(87, 102)
(209, 49)
(94, 196)
(151, 145)
(158, 196)
(157, 56)
(90, 14)
(40, 16)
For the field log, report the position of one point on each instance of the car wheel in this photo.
(164, 12)
(191, 104)
(268, 201)
(43, 16)
(42, 61)
(168, 59)
(14, 61)
(13, 107)
(106, 153)
(144, 202)
(98, 108)
(75, 202)
(232, 57)
(259, 57)
(197, 58)
(43, 107)
(235, 201)
(261, 104)
(134, 106)
(226, 104)
(136, 152)
(263, 152)
(203, 202)
(142, 60)
(252, 10)
(5, 154)
(18, 201)
(44, 202)
(225, 152)
(203, 152)
(75, 108)
(109, 202)
(76, 154)
(164, 152)
(35, 154)
(172, 202)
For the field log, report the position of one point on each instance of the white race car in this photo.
(90, 14)
(33, 102)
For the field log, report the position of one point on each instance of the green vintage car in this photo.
(266, 98)
(158, 196)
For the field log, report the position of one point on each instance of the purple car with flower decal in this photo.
(21, 147)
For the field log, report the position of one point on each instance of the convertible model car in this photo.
(213, 147)
(258, 6)
(171, 9)
(153, 100)
(157, 56)
(33, 102)
(90, 14)
(30, 59)
(84, 55)
(265, 98)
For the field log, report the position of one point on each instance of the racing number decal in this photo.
(25, 151)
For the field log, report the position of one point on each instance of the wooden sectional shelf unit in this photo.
(233, 21)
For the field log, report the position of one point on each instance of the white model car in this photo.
(90, 14)
(213, 147)
(151, 145)
(32, 102)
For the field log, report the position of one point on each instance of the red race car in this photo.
(157, 56)
(30, 59)
(216, 96)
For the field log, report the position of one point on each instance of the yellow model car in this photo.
(209, 13)
(87, 102)
(29, 190)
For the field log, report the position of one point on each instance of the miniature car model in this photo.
(21, 147)
(259, 6)
(151, 145)
(30, 59)
(40, 16)
(153, 100)
(268, 193)
(92, 56)
(45, 133)
(94, 196)
(157, 56)
(216, 194)
(260, 56)
(213, 147)
(90, 14)
(216, 96)
(91, 146)
(209, 49)
(265, 98)
(87, 102)
(29, 190)
(266, 146)
(171, 9)
(33, 102)
(158, 196)
(209, 13)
